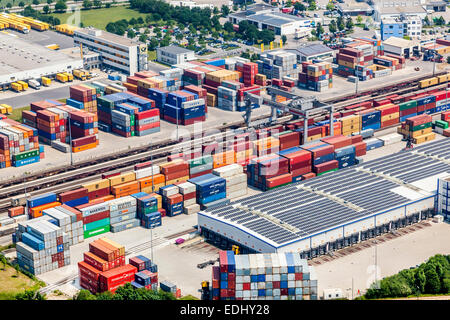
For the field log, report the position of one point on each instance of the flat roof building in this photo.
(401, 47)
(174, 55)
(24, 60)
(313, 51)
(269, 17)
(353, 8)
(117, 52)
(384, 9)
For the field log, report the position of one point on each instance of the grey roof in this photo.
(108, 36)
(297, 211)
(313, 49)
(175, 49)
(275, 19)
(351, 5)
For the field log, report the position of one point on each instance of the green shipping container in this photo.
(148, 209)
(200, 161)
(26, 154)
(96, 231)
(96, 224)
(441, 124)
(281, 185)
(319, 174)
(407, 105)
(421, 126)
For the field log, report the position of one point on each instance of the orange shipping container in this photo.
(37, 211)
(125, 188)
(85, 147)
(16, 211)
(223, 158)
(149, 181)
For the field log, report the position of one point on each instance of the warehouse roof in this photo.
(175, 49)
(18, 55)
(313, 49)
(398, 9)
(274, 18)
(107, 36)
(399, 42)
(297, 211)
(353, 6)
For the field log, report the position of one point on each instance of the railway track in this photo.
(89, 170)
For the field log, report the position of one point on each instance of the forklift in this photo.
(409, 143)
(206, 293)
(235, 249)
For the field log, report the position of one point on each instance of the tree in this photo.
(87, 4)
(9, 5)
(179, 36)
(148, 18)
(284, 39)
(36, 2)
(140, 20)
(46, 9)
(216, 10)
(153, 44)
(108, 5)
(312, 5)
(30, 295)
(228, 26)
(225, 10)
(60, 6)
(359, 19)
(131, 34)
(427, 21)
(319, 29)
(132, 21)
(3, 260)
(288, 4)
(330, 6)
(84, 295)
(143, 38)
(420, 280)
(299, 6)
(21, 4)
(49, 1)
(448, 59)
(349, 23)
(332, 27)
(340, 23)
(97, 3)
(432, 284)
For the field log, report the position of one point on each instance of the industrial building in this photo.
(385, 9)
(312, 52)
(91, 60)
(268, 17)
(437, 6)
(337, 209)
(24, 60)
(116, 52)
(402, 47)
(354, 8)
(400, 27)
(174, 55)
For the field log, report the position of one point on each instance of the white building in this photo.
(191, 4)
(174, 55)
(389, 9)
(268, 17)
(117, 52)
(23, 60)
(401, 47)
(412, 26)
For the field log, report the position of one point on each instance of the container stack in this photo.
(243, 150)
(316, 76)
(185, 107)
(159, 96)
(123, 213)
(299, 162)
(200, 166)
(37, 204)
(249, 71)
(389, 113)
(145, 279)
(41, 246)
(75, 197)
(275, 276)
(268, 172)
(210, 190)
(221, 159)
(407, 109)
(96, 218)
(266, 146)
(288, 139)
(277, 64)
(69, 220)
(167, 286)
(350, 124)
(175, 171)
(419, 128)
(19, 144)
(97, 189)
(83, 126)
(322, 155)
(188, 191)
(103, 268)
(370, 119)
(172, 200)
(50, 127)
(236, 180)
(261, 80)
(227, 95)
(147, 210)
(83, 97)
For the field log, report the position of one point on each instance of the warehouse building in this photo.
(401, 47)
(91, 59)
(268, 17)
(23, 60)
(174, 55)
(116, 52)
(312, 52)
(385, 9)
(335, 210)
(353, 8)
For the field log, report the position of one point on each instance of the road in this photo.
(70, 4)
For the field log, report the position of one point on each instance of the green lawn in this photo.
(17, 113)
(11, 284)
(99, 18)
(151, 55)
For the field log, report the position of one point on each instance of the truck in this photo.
(34, 84)
(46, 81)
(23, 84)
(16, 87)
(82, 74)
(61, 77)
(69, 76)
(7, 107)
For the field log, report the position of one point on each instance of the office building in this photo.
(174, 55)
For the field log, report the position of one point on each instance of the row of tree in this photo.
(250, 32)
(126, 292)
(431, 277)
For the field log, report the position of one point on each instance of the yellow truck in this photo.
(80, 74)
(23, 84)
(46, 81)
(16, 87)
(6, 107)
(69, 76)
(62, 77)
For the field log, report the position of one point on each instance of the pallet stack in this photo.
(41, 246)
(103, 268)
(284, 276)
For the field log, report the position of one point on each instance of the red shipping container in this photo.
(408, 112)
(195, 175)
(88, 271)
(308, 176)
(117, 276)
(329, 165)
(279, 180)
(16, 211)
(440, 95)
(175, 167)
(176, 198)
(300, 171)
(73, 194)
(445, 116)
(98, 193)
(356, 138)
(338, 141)
(142, 165)
(96, 217)
(97, 262)
(388, 123)
(147, 114)
(101, 251)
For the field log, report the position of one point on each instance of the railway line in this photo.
(63, 179)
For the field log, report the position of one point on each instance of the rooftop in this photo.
(300, 210)
(313, 49)
(111, 37)
(175, 49)
(18, 55)
(399, 42)
(398, 8)
(351, 5)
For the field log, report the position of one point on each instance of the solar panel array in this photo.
(297, 210)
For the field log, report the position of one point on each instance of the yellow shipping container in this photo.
(156, 189)
(428, 82)
(96, 185)
(444, 78)
(390, 117)
(418, 133)
(424, 138)
(23, 84)
(350, 120)
(61, 77)
(46, 81)
(122, 178)
(312, 138)
(178, 180)
(3, 110)
(16, 87)
(69, 76)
